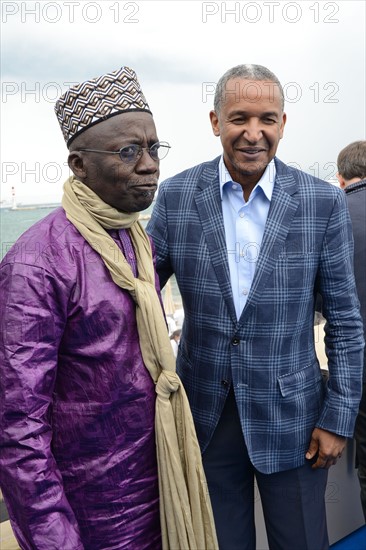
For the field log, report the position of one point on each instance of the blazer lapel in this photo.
(208, 201)
(284, 204)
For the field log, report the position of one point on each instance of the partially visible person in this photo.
(84, 351)
(251, 242)
(174, 340)
(351, 175)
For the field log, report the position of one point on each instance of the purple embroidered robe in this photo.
(77, 444)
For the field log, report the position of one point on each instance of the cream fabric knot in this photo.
(168, 383)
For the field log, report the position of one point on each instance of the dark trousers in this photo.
(293, 500)
(360, 436)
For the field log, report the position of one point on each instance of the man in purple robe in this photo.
(77, 404)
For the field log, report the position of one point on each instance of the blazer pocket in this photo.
(293, 382)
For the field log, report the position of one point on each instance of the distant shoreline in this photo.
(43, 206)
(29, 207)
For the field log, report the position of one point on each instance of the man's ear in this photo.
(215, 123)
(76, 164)
(283, 122)
(342, 183)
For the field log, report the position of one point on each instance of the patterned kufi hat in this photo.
(97, 99)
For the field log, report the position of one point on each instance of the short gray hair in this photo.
(351, 161)
(245, 72)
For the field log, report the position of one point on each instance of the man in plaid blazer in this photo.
(251, 243)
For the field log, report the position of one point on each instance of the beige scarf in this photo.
(185, 509)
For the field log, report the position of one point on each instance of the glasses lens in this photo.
(159, 150)
(130, 153)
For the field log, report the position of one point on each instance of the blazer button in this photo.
(235, 341)
(225, 383)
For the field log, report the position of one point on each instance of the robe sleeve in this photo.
(33, 306)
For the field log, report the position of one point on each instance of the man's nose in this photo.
(253, 130)
(146, 163)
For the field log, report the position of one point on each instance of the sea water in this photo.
(14, 223)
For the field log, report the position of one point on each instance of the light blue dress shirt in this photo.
(244, 227)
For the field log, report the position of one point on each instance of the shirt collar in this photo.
(266, 182)
(355, 186)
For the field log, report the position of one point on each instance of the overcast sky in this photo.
(179, 50)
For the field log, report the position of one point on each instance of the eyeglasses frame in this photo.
(162, 143)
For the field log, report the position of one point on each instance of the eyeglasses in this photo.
(130, 154)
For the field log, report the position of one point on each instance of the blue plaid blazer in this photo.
(268, 355)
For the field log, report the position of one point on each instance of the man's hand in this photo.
(327, 446)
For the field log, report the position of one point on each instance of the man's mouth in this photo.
(251, 150)
(147, 189)
(149, 185)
